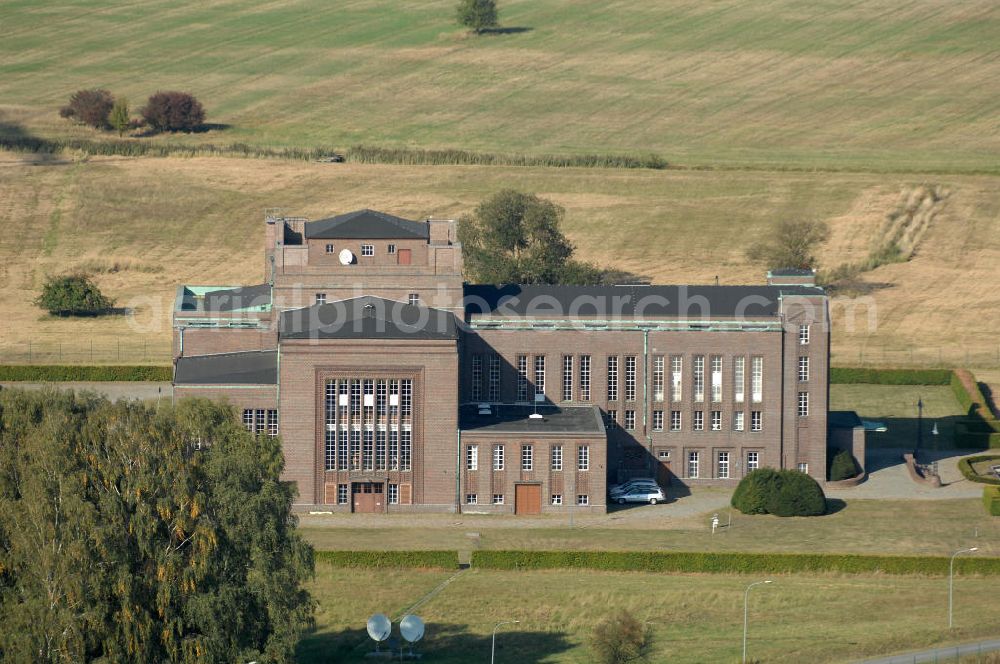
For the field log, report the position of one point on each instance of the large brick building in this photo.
(397, 387)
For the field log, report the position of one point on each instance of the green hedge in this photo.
(730, 563)
(890, 376)
(55, 372)
(980, 429)
(991, 499)
(965, 467)
(390, 559)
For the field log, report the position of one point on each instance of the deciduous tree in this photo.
(73, 295)
(790, 244)
(621, 639)
(91, 107)
(478, 15)
(119, 118)
(173, 111)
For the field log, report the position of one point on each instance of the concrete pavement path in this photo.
(946, 654)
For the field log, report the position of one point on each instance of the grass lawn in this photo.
(882, 84)
(695, 618)
(896, 406)
(890, 527)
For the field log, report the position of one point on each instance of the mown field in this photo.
(694, 618)
(142, 226)
(876, 84)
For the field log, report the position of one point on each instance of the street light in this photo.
(493, 648)
(746, 599)
(920, 421)
(951, 574)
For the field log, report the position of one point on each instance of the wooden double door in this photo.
(527, 499)
(368, 497)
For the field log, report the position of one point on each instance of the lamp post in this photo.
(493, 648)
(746, 614)
(951, 583)
(920, 421)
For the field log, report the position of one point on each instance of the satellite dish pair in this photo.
(411, 628)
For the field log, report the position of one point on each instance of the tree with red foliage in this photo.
(173, 111)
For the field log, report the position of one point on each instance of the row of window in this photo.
(369, 424)
(498, 499)
(698, 420)
(527, 457)
(413, 299)
(366, 249)
(392, 493)
(260, 420)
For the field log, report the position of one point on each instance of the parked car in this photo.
(627, 484)
(642, 494)
(614, 493)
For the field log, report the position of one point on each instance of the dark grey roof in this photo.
(843, 419)
(366, 225)
(368, 317)
(516, 420)
(791, 272)
(259, 367)
(232, 299)
(708, 302)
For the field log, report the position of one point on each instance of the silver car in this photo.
(642, 494)
(629, 484)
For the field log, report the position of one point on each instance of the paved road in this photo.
(888, 478)
(949, 654)
(111, 389)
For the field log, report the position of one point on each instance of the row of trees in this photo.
(135, 534)
(164, 111)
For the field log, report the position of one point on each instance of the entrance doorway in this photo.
(527, 499)
(368, 497)
(404, 256)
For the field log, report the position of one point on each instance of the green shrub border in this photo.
(991, 499)
(62, 373)
(730, 563)
(855, 375)
(965, 467)
(390, 559)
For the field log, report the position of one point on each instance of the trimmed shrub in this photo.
(73, 295)
(754, 491)
(796, 494)
(390, 559)
(173, 111)
(847, 375)
(965, 467)
(91, 107)
(991, 499)
(62, 373)
(844, 466)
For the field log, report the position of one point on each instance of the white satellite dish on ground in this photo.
(379, 627)
(346, 257)
(412, 628)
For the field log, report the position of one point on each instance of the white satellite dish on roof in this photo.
(379, 627)
(411, 628)
(346, 256)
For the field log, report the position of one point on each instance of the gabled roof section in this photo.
(258, 367)
(366, 225)
(368, 318)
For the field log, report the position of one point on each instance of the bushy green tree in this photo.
(131, 534)
(779, 492)
(790, 244)
(73, 295)
(844, 466)
(478, 15)
(621, 639)
(754, 490)
(119, 118)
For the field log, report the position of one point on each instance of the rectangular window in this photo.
(380, 456)
(693, 458)
(612, 419)
(259, 423)
(391, 249)
(630, 420)
(522, 377)
(753, 461)
(699, 421)
(498, 457)
(368, 250)
(583, 499)
(757, 379)
(498, 499)
(716, 420)
(723, 465)
(557, 457)
(567, 378)
(676, 378)
(330, 450)
(657, 378)
(716, 379)
(368, 450)
(663, 455)
(583, 457)
(699, 378)
(804, 468)
(803, 404)
(472, 457)
(272, 423)
(329, 248)
(738, 420)
(413, 299)
(320, 298)
(405, 449)
(494, 389)
(657, 420)
(393, 494)
(612, 378)
(527, 457)
(739, 380)
(342, 449)
(540, 375)
(803, 335)
(756, 421)
(477, 377)
(630, 378)
(803, 369)
(248, 420)
(675, 420)
(341, 494)
(557, 499)
(471, 499)
(585, 378)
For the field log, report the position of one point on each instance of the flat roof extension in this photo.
(516, 420)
